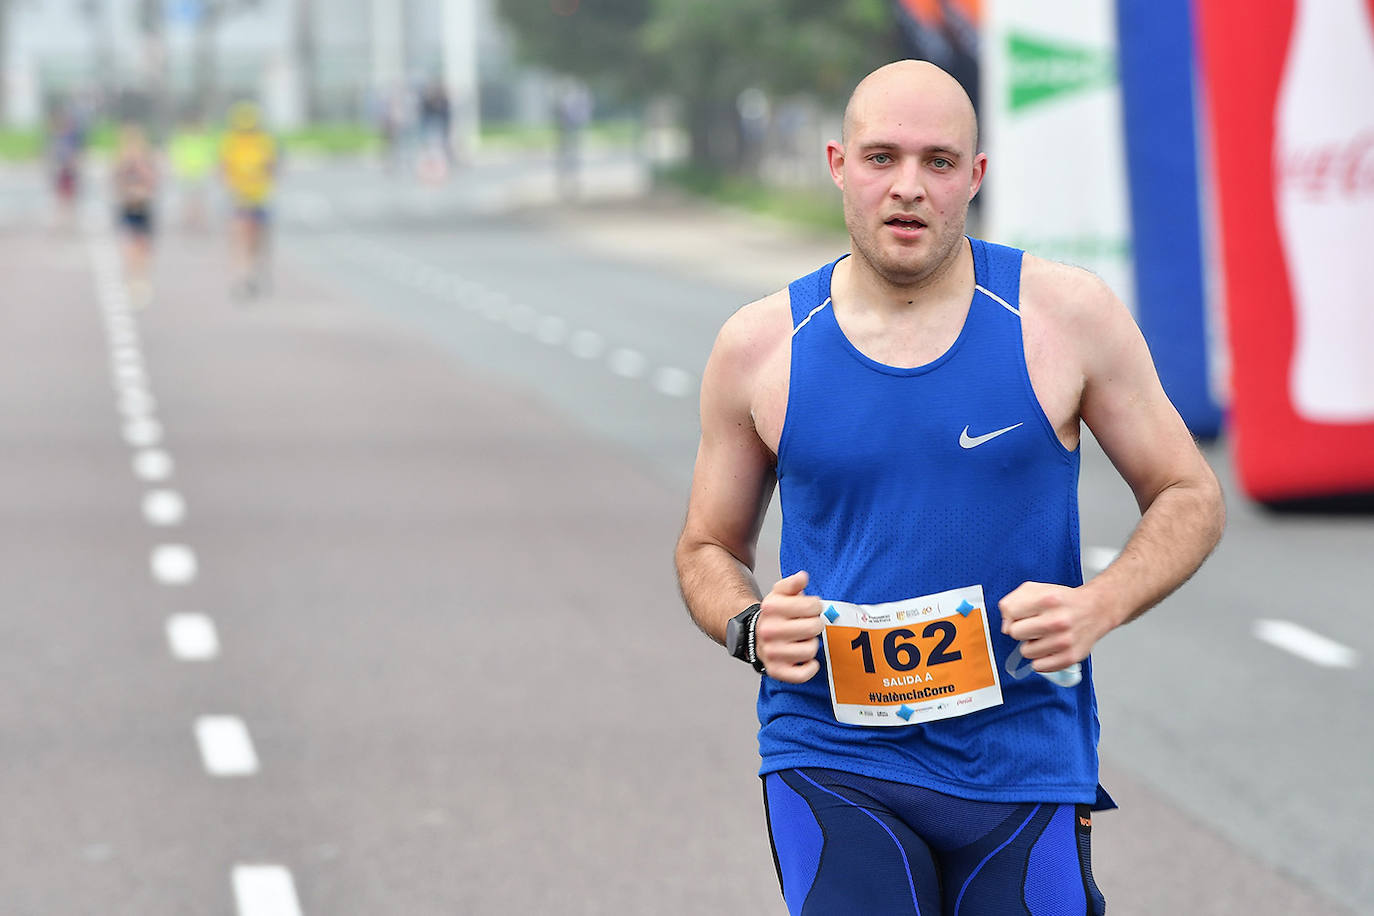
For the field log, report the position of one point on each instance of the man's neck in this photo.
(858, 284)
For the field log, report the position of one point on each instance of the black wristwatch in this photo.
(739, 636)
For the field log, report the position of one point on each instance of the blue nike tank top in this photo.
(883, 499)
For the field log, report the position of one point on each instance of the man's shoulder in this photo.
(759, 326)
(1064, 293)
(756, 330)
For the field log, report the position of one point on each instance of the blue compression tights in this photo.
(846, 844)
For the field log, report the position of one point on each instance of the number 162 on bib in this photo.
(912, 661)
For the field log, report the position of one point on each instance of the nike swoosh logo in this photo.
(968, 441)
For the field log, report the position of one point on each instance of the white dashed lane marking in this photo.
(130, 374)
(192, 637)
(225, 748)
(586, 345)
(126, 355)
(163, 508)
(627, 363)
(522, 319)
(135, 402)
(152, 464)
(265, 890)
(1307, 645)
(551, 330)
(173, 564)
(1096, 559)
(142, 432)
(672, 382)
(496, 306)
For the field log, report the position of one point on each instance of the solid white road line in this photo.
(225, 748)
(192, 637)
(265, 890)
(1305, 644)
(152, 465)
(163, 508)
(173, 564)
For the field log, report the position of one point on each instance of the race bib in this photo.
(910, 661)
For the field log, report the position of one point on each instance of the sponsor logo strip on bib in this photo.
(911, 661)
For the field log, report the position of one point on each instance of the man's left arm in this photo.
(1181, 505)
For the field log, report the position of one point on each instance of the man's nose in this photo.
(907, 183)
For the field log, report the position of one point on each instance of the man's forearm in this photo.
(1175, 534)
(715, 584)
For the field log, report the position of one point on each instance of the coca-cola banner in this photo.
(1051, 115)
(1291, 95)
(1158, 92)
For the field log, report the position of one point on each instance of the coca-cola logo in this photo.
(1342, 169)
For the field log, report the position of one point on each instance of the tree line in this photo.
(705, 53)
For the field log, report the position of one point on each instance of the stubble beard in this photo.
(906, 268)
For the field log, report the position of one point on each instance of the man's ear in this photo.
(834, 156)
(980, 171)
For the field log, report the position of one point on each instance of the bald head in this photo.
(915, 88)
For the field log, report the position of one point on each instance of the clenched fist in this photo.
(787, 633)
(1056, 625)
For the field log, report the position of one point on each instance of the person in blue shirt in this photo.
(928, 727)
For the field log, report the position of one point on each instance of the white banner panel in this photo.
(1051, 121)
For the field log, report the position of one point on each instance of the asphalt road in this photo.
(430, 487)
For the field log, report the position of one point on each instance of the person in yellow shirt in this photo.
(248, 163)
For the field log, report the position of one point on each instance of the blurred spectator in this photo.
(755, 112)
(436, 122)
(66, 142)
(134, 175)
(192, 154)
(248, 160)
(572, 113)
(395, 113)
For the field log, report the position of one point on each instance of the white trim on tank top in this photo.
(811, 313)
(982, 289)
(996, 298)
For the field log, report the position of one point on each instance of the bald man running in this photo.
(928, 729)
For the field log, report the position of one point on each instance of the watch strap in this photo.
(749, 620)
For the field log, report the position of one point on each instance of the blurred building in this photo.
(303, 60)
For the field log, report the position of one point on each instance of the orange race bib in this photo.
(911, 661)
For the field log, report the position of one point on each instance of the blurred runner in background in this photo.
(66, 144)
(435, 156)
(248, 161)
(572, 113)
(192, 155)
(134, 175)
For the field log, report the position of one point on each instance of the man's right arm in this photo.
(731, 487)
(733, 480)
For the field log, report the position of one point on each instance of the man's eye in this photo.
(941, 163)
(880, 158)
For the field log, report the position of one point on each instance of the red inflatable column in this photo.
(1291, 97)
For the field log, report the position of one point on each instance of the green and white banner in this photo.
(1051, 120)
